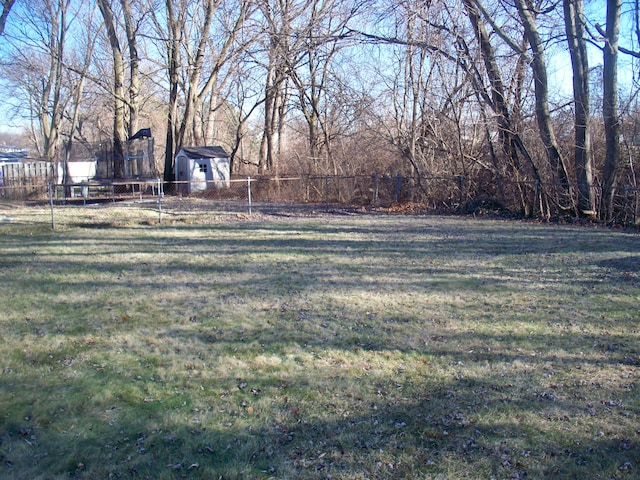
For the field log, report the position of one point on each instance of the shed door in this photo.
(182, 174)
(200, 173)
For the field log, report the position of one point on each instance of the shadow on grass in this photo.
(79, 409)
(464, 429)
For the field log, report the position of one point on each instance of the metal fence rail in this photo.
(105, 191)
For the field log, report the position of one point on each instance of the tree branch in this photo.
(516, 48)
(398, 41)
(624, 50)
(6, 8)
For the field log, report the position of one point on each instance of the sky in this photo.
(558, 62)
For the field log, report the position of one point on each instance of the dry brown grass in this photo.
(316, 346)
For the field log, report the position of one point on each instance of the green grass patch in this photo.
(344, 347)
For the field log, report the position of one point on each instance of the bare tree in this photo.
(79, 72)
(311, 65)
(119, 126)
(610, 108)
(124, 83)
(575, 29)
(199, 40)
(451, 96)
(171, 37)
(410, 100)
(511, 141)
(49, 62)
(223, 68)
(52, 92)
(204, 77)
(279, 16)
(131, 29)
(427, 88)
(35, 68)
(528, 14)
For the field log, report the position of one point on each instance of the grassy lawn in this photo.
(317, 347)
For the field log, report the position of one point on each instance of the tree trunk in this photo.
(610, 109)
(573, 18)
(192, 104)
(173, 61)
(278, 19)
(51, 111)
(201, 125)
(134, 68)
(273, 100)
(119, 134)
(543, 116)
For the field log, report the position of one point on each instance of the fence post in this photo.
(398, 187)
(375, 190)
(159, 202)
(460, 188)
(249, 192)
(53, 224)
(626, 201)
(326, 192)
(635, 206)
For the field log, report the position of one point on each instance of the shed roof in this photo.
(204, 152)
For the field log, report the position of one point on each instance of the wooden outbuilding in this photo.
(199, 168)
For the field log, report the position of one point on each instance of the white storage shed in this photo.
(199, 168)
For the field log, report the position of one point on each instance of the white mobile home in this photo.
(199, 168)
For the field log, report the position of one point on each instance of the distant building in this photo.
(12, 155)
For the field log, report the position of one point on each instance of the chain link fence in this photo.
(151, 202)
